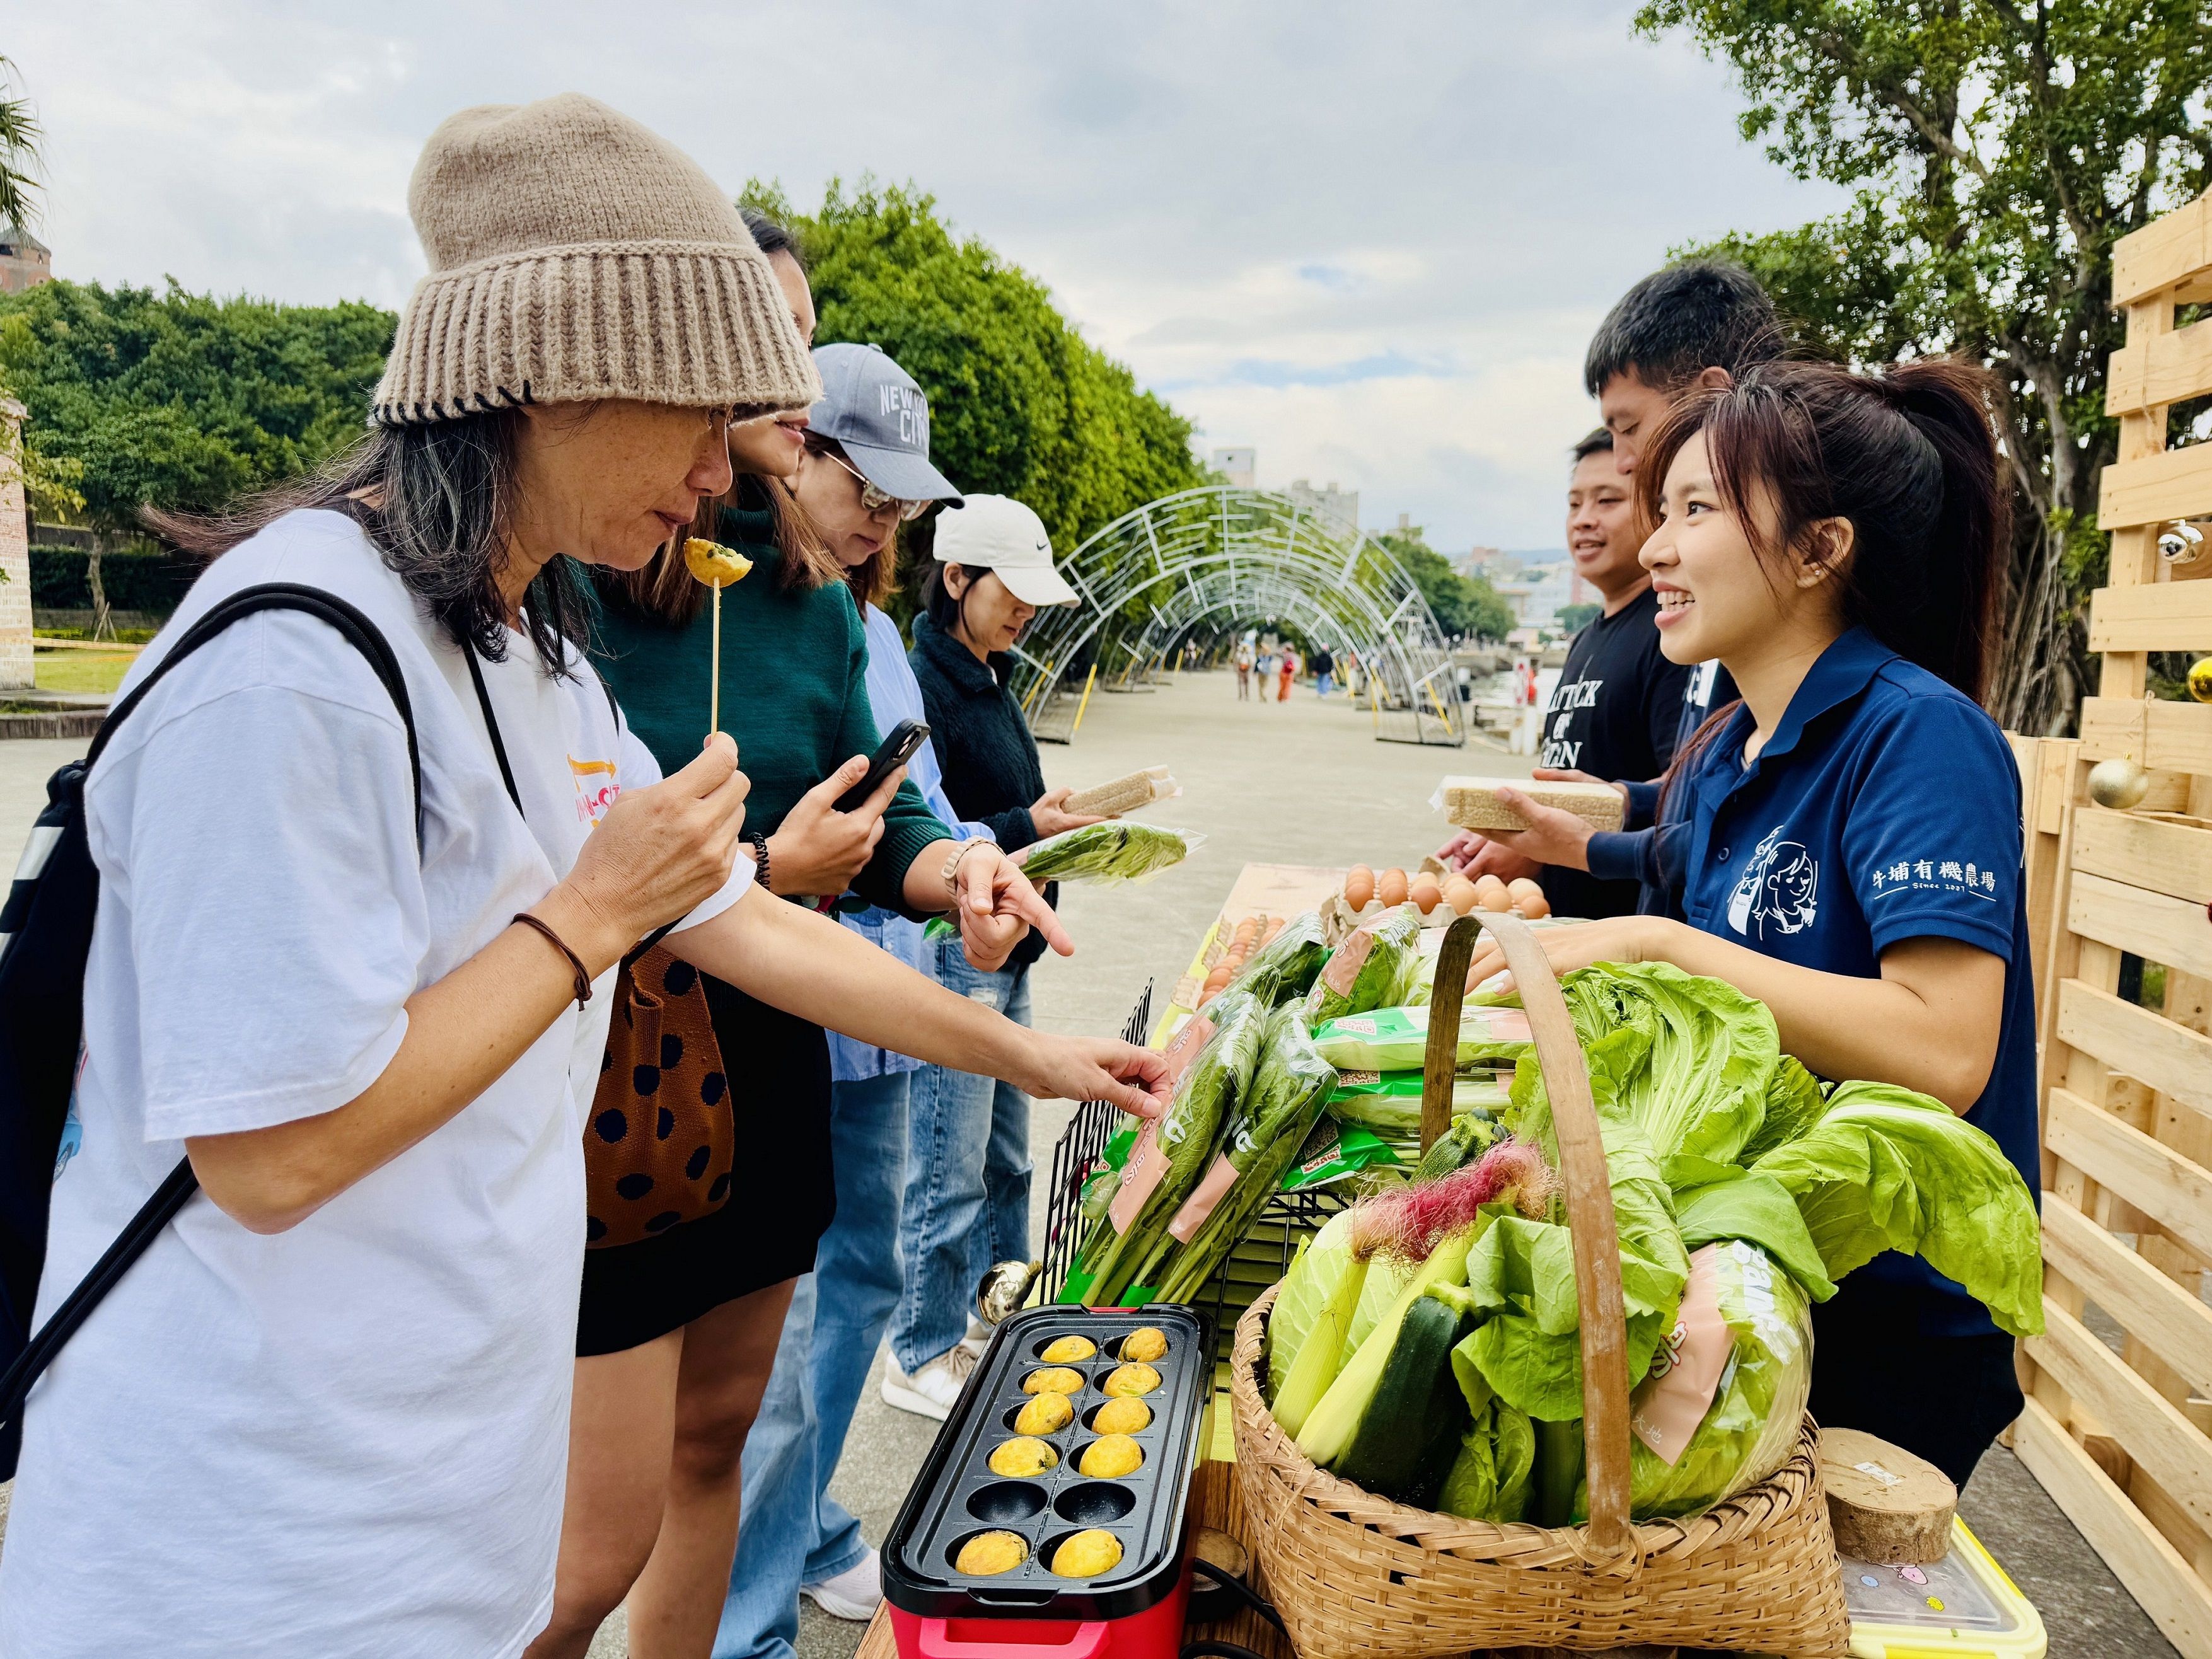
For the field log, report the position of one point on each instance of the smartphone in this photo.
(896, 751)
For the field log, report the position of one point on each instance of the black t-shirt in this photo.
(1615, 714)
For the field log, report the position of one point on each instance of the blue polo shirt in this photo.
(1885, 808)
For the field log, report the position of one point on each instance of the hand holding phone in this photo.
(895, 751)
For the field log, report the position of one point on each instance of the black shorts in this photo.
(1943, 1398)
(781, 1203)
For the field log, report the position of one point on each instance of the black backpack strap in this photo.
(180, 1182)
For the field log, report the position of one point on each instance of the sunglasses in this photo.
(874, 500)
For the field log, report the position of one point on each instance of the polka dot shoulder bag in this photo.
(660, 1142)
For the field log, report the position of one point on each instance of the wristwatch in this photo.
(760, 855)
(953, 864)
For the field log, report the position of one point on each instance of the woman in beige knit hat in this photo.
(355, 950)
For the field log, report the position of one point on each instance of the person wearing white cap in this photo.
(968, 1164)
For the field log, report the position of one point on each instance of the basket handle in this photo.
(1584, 1174)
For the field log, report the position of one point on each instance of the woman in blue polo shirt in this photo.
(1852, 824)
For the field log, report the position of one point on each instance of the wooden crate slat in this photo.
(2166, 737)
(2166, 368)
(2157, 1181)
(2128, 1408)
(2171, 249)
(2170, 1058)
(2174, 483)
(2149, 925)
(2152, 1570)
(2171, 858)
(2148, 1304)
(2156, 616)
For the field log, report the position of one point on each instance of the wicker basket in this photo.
(1355, 1574)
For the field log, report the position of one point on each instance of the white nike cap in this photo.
(997, 533)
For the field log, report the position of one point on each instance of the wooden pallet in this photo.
(2122, 1436)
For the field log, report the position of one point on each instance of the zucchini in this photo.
(1406, 1439)
(1466, 1138)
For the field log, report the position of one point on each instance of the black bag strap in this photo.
(181, 1182)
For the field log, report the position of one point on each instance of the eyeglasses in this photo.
(874, 500)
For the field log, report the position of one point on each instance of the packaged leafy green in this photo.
(1390, 1103)
(1397, 1039)
(1119, 849)
(1335, 1152)
(1744, 1344)
(1283, 969)
(1372, 969)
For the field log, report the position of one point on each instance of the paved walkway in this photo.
(1301, 783)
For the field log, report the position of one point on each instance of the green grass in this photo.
(82, 671)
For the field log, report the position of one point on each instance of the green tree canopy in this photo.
(1467, 605)
(1996, 151)
(178, 400)
(1020, 403)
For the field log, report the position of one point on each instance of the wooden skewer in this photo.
(715, 685)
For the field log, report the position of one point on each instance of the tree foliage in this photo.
(1465, 606)
(176, 399)
(1020, 403)
(1996, 151)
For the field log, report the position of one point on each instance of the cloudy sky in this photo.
(1369, 238)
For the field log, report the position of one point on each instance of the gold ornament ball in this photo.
(2119, 783)
(2200, 680)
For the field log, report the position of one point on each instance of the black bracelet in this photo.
(583, 979)
(760, 855)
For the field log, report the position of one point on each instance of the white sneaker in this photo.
(853, 1593)
(931, 1391)
(978, 1337)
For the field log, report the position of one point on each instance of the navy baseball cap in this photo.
(879, 416)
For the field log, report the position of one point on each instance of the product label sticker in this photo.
(1344, 967)
(1147, 1166)
(1501, 1024)
(1200, 1204)
(1183, 1047)
(1880, 1474)
(1669, 1404)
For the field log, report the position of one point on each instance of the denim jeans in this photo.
(791, 1532)
(1321, 684)
(967, 1201)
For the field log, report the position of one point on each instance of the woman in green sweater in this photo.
(677, 1334)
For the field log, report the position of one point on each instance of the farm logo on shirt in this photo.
(1932, 875)
(1781, 890)
(597, 788)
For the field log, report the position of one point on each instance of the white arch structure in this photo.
(1227, 556)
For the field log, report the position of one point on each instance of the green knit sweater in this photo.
(794, 695)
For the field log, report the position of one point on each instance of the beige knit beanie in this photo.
(573, 255)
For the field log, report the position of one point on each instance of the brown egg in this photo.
(1390, 887)
(1533, 907)
(1424, 893)
(1359, 887)
(1459, 893)
(1491, 895)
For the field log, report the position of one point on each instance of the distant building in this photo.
(1239, 466)
(1342, 505)
(1493, 564)
(1542, 590)
(25, 261)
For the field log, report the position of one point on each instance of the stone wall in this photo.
(16, 672)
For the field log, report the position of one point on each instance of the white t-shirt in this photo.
(349, 1438)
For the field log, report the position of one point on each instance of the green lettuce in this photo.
(1491, 1477)
(1885, 1168)
(1759, 1209)
(1794, 1099)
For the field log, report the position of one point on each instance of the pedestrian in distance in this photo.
(1324, 667)
(1243, 658)
(1286, 673)
(966, 1204)
(1839, 542)
(344, 1374)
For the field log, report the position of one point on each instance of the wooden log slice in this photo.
(1885, 1504)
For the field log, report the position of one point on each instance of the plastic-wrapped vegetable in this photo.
(1372, 969)
(1288, 1087)
(1160, 1176)
(1282, 969)
(1116, 850)
(1397, 1039)
(1751, 1427)
(1390, 1103)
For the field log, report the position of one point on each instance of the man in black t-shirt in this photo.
(1618, 707)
